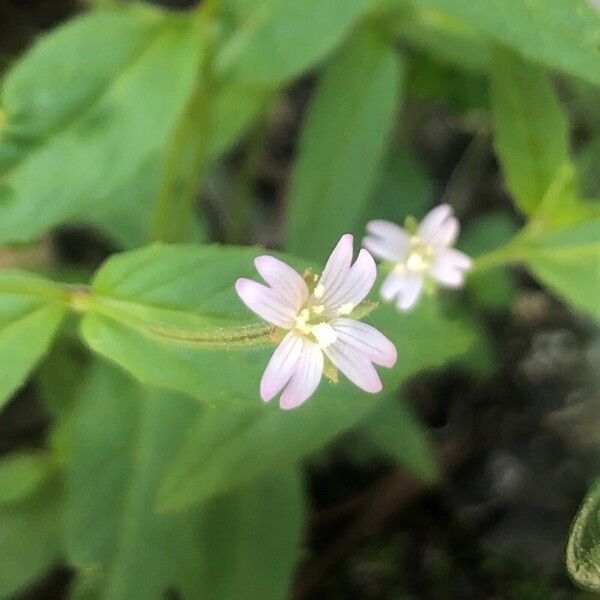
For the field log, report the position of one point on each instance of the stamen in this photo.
(345, 309)
(319, 291)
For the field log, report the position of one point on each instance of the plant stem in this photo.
(496, 258)
(186, 154)
(240, 209)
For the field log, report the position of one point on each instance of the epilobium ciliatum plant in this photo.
(151, 130)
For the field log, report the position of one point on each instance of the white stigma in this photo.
(324, 334)
(319, 291)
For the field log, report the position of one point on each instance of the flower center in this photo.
(309, 322)
(419, 257)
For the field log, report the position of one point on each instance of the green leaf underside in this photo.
(558, 34)
(583, 548)
(342, 143)
(124, 437)
(76, 134)
(531, 128)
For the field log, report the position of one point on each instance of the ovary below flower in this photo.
(426, 254)
(321, 334)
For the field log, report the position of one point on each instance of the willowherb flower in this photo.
(319, 315)
(418, 257)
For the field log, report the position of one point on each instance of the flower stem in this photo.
(188, 148)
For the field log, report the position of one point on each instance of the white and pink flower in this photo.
(420, 257)
(317, 313)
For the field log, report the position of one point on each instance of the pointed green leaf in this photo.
(583, 549)
(30, 314)
(531, 128)
(344, 137)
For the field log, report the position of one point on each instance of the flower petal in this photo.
(366, 340)
(387, 240)
(306, 376)
(283, 279)
(338, 264)
(355, 366)
(447, 233)
(449, 267)
(410, 292)
(281, 367)
(430, 227)
(265, 302)
(356, 285)
(391, 286)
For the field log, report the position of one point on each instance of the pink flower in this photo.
(426, 255)
(321, 334)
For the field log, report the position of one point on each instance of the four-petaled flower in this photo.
(420, 257)
(317, 314)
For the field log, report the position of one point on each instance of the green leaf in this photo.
(395, 430)
(532, 134)
(250, 541)
(23, 474)
(561, 245)
(125, 216)
(123, 439)
(184, 286)
(30, 540)
(75, 132)
(561, 34)
(236, 106)
(572, 275)
(275, 40)
(583, 549)
(342, 143)
(446, 40)
(30, 314)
